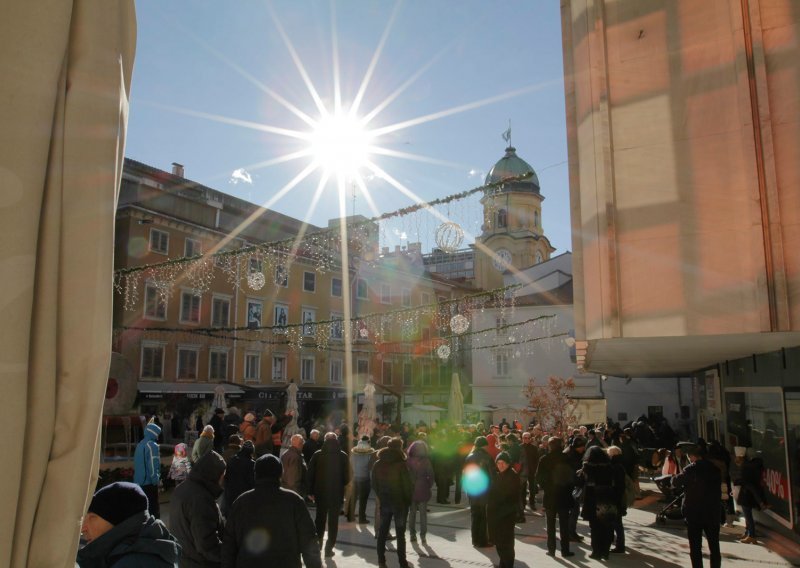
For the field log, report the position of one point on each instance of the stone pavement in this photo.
(649, 544)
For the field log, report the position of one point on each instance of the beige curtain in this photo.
(65, 70)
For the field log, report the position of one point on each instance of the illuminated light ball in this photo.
(570, 341)
(363, 332)
(512, 339)
(449, 236)
(256, 280)
(474, 481)
(459, 324)
(137, 247)
(443, 351)
(517, 354)
(256, 541)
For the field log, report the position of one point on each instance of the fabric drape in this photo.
(66, 70)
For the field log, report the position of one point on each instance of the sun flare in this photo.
(340, 144)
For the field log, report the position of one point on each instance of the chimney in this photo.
(177, 169)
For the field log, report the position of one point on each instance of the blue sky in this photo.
(212, 59)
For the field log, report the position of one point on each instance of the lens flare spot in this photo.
(257, 541)
(137, 247)
(474, 481)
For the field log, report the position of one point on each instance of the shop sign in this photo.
(776, 483)
(153, 395)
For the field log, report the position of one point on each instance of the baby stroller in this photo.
(673, 509)
(664, 484)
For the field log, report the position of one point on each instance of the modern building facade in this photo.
(684, 143)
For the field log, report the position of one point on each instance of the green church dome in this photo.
(512, 166)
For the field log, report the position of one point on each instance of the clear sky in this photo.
(215, 86)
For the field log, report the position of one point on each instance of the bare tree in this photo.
(552, 404)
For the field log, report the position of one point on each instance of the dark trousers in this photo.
(503, 536)
(563, 525)
(528, 488)
(574, 513)
(602, 535)
(619, 531)
(477, 513)
(711, 530)
(361, 489)
(152, 500)
(749, 522)
(457, 471)
(399, 515)
(327, 512)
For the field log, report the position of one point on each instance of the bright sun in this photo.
(340, 144)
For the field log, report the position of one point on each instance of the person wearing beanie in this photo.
(269, 509)
(394, 488)
(503, 508)
(180, 466)
(328, 475)
(195, 518)
(239, 475)
(120, 531)
(204, 443)
(147, 466)
(360, 460)
(478, 494)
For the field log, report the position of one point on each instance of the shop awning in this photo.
(157, 387)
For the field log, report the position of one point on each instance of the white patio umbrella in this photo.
(455, 407)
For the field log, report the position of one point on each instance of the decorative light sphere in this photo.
(256, 280)
(443, 351)
(570, 341)
(363, 332)
(449, 236)
(459, 324)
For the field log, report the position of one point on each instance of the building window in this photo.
(336, 287)
(499, 324)
(362, 370)
(280, 318)
(218, 365)
(502, 219)
(309, 282)
(406, 297)
(309, 317)
(408, 376)
(535, 218)
(335, 374)
(281, 276)
(152, 360)
(501, 357)
(190, 307)
(307, 370)
(386, 372)
(337, 326)
(252, 366)
(426, 374)
(155, 304)
(192, 247)
(444, 375)
(362, 289)
(386, 294)
(187, 363)
(279, 368)
(159, 241)
(426, 298)
(255, 311)
(220, 311)
(539, 257)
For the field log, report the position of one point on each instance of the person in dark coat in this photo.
(392, 484)
(234, 445)
(422, 476)
(218, 422)
(701, 482)
(195, 518)
(502, 510)
(239, 475)
(120, 531)
(617, 456)
(328, 475)
(557, 479)
(600, 499)
(312, 445)
(575, 453)
(750, 493)
(479, 470)
(269, 525)
(530, 461)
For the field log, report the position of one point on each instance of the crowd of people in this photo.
(247, 500)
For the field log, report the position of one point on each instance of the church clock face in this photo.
(501, 260)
